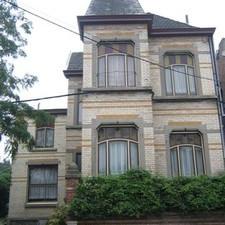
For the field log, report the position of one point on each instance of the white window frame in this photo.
(125, 70)
(173, 70)
(177, 147)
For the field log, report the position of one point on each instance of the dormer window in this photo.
(116, 68)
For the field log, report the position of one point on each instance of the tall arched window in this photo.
(186, 154)
(180, 74)
(115, 64)
(117, 150)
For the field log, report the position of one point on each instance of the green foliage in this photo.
(13, 123)
(5, 173)
(138, 194)
(59, 216)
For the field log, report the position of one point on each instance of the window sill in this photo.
(184, 98)
(41, 204)
(118, 89)
(43, 150)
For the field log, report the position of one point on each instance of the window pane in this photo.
(43, 183)
(174, 162)
(101, 71)
(180, 84)
(49, 140)
(116, 70)
(80, 112)
(168, 78)
(102, 159)
(186, 161)
(40, 137)
(133, 155)
(78, 160)
(199, 161)
(118, 157)
(130, 71)
(192, 85)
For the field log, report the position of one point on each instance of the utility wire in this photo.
(50, 97)
(105, 44)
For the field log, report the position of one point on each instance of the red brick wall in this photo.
(71, 185)
(169, 219)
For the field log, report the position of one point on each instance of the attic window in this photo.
(116, 65)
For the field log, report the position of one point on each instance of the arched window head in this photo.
(117, 149)
(186, 154)
(180, 74)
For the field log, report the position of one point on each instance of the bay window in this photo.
(186, 154)
(117, 150)
(180, 74)
(116, 65)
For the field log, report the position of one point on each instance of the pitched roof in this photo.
(76, 61)
(160, 22)
(114, 7)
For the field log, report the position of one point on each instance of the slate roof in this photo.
(160, 22)
(76, 61)
(114, 7)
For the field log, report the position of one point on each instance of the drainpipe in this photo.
(218, 92)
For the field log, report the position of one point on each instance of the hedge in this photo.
(138, 194)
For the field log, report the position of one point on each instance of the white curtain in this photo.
(116, 70)
(192, 85)
(130, 71)
(102, 159)
(118, 157)
(186, 161)
(49, 139)
(174, 162)
(180, 83)
(40, 137)
(43, 183)
(101, 72)
(169, 89)
(133, 155)
(199, 161)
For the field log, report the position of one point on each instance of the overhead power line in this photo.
(119, 51)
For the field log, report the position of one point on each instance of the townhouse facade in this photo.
(145, 99)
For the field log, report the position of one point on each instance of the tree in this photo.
(14, 26)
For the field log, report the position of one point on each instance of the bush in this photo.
(59, 216)
(138, 194)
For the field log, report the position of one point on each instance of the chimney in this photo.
(187, 19)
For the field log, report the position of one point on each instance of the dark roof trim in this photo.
(56, 111)
(183, 32)
(114, 19)
(72, 73)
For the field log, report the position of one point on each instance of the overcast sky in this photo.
(49, 47)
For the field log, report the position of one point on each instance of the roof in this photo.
(76, 61)
(160, 22)
(114, 7)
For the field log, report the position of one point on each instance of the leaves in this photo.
(13, 116)
(138, 194)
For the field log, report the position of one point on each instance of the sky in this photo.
(49, 47)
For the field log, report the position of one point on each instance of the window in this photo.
(186, 154)
(78, 160)
(45, 137)
(117, 150)
(116, 69)
(43, 183)
(179, 74)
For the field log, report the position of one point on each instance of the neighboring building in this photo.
(133, 114)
